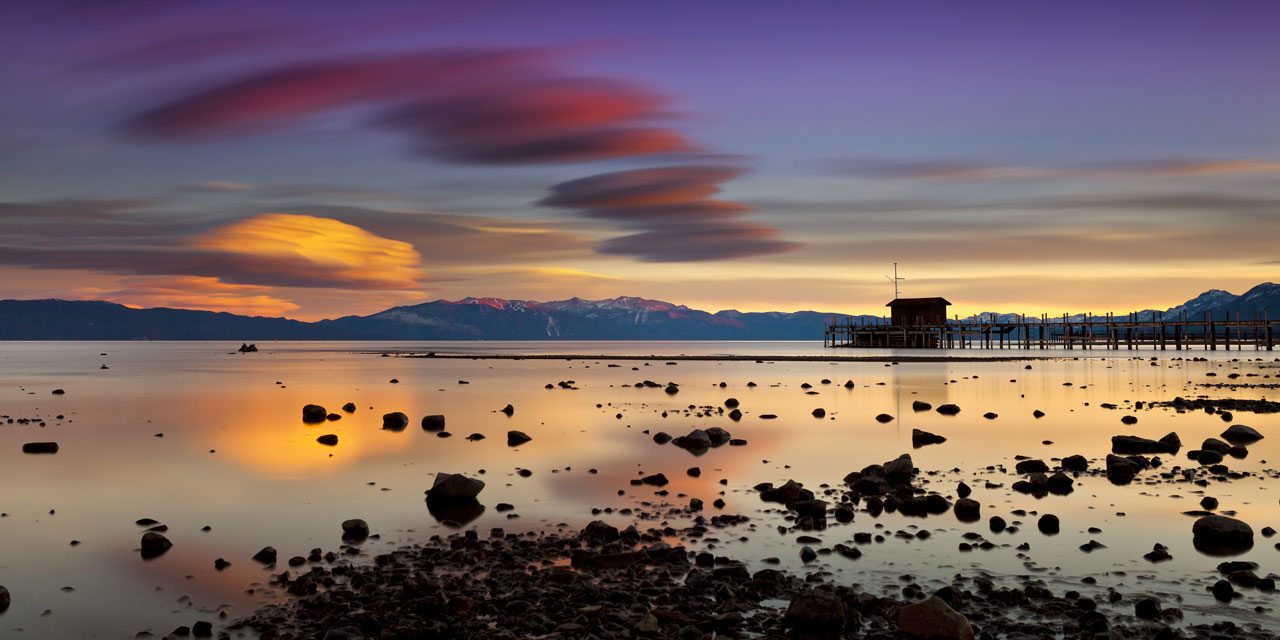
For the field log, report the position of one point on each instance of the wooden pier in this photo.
(1090, 332)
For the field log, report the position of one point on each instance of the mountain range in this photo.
(622, 318)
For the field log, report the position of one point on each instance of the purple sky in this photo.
(316, 159)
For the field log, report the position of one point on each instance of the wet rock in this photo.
(328, 439)
(662, 437)
(920, 405)
(968, 510)
(1223, 591)
(455, 486)
(900, 469)
(598, 533)
(816, 610)
(1241, 434)
(509, 410)
(697, 440)
(731, 403)
(789, 493)
(517, 438)
(1060, 483)
(4, 599)
(819, 413)
(1130, 445)
(1208, 503)
(963, 490)
(718, 436)
(1031, 466)
(1121, 470)
(884, 417)
(997, 524)
(693, 472)
(1158, 553)
(40, 447)
(1075, 463)
(948, 409)
(349, 407)
(204, 628)
(433, 423)
(355, 529)
(1147, 608)
(154, 545)
(933, 619)
(344, 633)
(266, 555)
(810, 508)
(920, 438)
(475, 437)
(1048, 524)
(735, 415)
(314, 413)
(1204, 457)
(1220, 535)
(394, 421)
(1215, 445)
(656, 480)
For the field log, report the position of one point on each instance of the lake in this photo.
(194, 435)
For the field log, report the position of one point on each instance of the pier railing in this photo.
(1109, 331)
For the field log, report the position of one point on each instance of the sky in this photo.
(322, 159)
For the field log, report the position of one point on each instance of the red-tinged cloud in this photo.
(670, 210)
(470, 107)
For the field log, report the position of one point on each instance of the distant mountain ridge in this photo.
(621, 318)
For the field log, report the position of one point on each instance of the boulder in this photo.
(1130, 445)
(1121, 470)
(697, 440)
(455, 486)
(355, 528)
(1220, 535)
(314, 413)
(900, 469)
(968, 510)
(1031, 466)
(433, 422)
(1215, 445)
(517, 438)
(328, 439)
(40, 447)
(4, 599)
(1241, 434)
(395, 421)
(920, 438)
(1048, 524)
(266, 555)
(597, 532)
(948, 409)
(920, 405)
(884, 417)
(154, 544)
(816, 610)
(1075, 463)
(349, 407)
(933, 619)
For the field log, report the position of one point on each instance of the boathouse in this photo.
(918, 312)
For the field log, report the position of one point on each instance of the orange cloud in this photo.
(201, 293)
(344, 252)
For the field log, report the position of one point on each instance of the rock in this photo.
(344, 633)
(509, 410)
(349, 407)
(1215, 445)
(314, 413)
(1048, 524)
(266, 555)
(1208, 503)
(997, 524)
(991, 415)
(4, 599)
(1121, 470)
(920, 438)
(693, 472)
(789, 493)
(884, 417)
(1060, 483)
(1241, 434)
(154, 545)
(1075, 463)
(220, 564)
(355, 529)
(1158, 553)
(963, 490)
(933, 619)
(1130, 445)
(948, 409)
(656, 480)
(597, 532)
(395, 421)
(433, 422)
(731, 403)
(204, 628)
(1220, 535)
(1223, 591)
(968, 510)
(58, 392)
(662, 437)
(40, 447)
(455, 486)
(1031, 466)
(718, 436)
(328, 438)
(819, 413)
(816, 610)
(900, 469)
(810, 508)
(735, 415)
(919, 405)
(517, 438)
(1147, 608)
(697, 440)
(1129, 420)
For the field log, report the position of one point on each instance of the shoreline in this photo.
(701, 357)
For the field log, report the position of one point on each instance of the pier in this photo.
(1108, 331)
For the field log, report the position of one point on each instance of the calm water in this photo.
(236, 456)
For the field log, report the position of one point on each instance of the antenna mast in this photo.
(895, 280)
